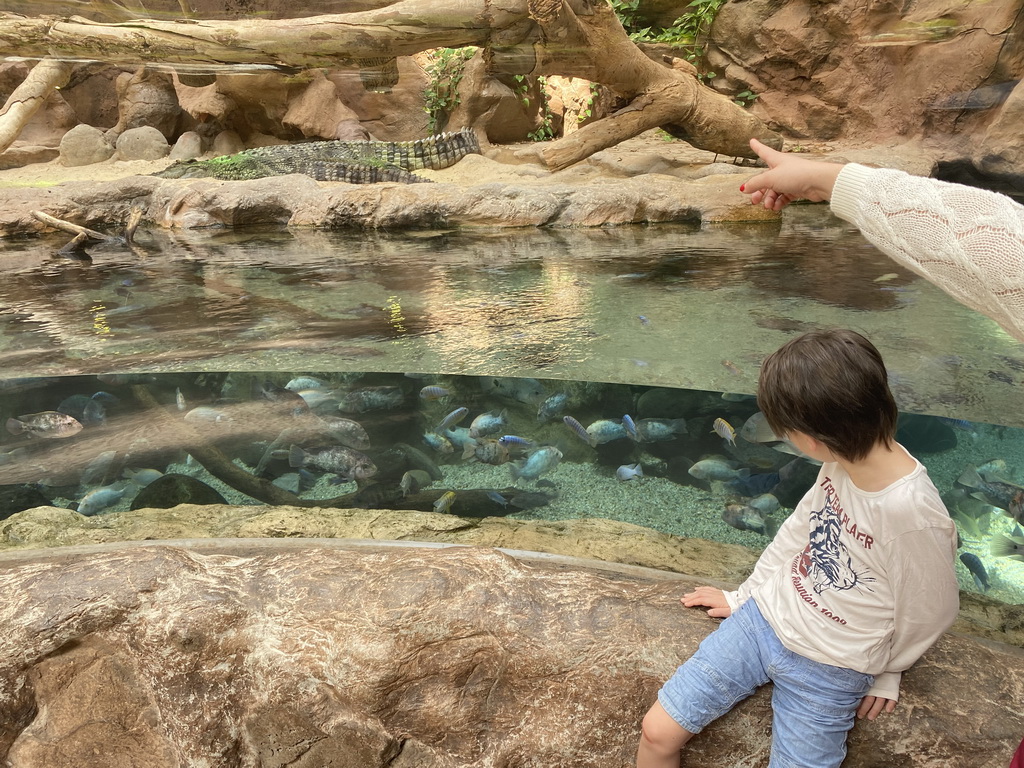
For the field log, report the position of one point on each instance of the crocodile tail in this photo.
(358, 173)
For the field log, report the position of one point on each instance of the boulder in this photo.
(227, 143)
(297, 653)
(317, 111)
(146, 98)
(143, 143)
(84, 145)
(189, 146)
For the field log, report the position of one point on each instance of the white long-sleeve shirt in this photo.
(856, 579)
(967, 241)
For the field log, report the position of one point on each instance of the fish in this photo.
(756, 430)
(289, 402)
(766, 503)
(486, 450)
(439, 443)
(143, 477)
(444, 502)
(347, 432)
(514, 441)
(305, 382)
(434, 392)
(579, 430)
(385, 398)
(631, 430)
(498, 499)
(414, 480)
(48, 424)
(994, 469)
(538, 463)
(628, 472)
(605, 430)
(99, 499)
(453, 418)
(724, 430)
(758, 484)
(1007, 496)
(487, 423)
(744, 518)
(316, 398)
(644, 320)
(657, 430)
(458, 437)
(552, 406)
(343, 462)
(1007, 546)
(417, 459)
(977, 569)
(528, 391)
(717, 469)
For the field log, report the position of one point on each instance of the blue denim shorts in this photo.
(813, 704)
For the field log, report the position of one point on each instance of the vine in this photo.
(444, 69)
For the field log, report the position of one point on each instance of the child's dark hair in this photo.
(831, 385)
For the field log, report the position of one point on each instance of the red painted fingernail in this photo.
(742, 187)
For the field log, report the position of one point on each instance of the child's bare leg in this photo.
(661, 740)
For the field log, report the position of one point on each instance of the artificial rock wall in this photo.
(314, 654)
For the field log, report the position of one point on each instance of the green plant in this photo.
(745, 98)
(445, 69)
(588, 111)
(546, 128)
(522, 89)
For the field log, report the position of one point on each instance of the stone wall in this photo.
(306, 654)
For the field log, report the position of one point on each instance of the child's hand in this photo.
(872, 706)
(712, 598)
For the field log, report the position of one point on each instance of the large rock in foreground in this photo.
(294, 654)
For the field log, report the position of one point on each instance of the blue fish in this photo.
(578, 429)
(629, 472)
(631, 430)
(552, 406)
(977, 569)
(497, 498)
(452, 418)
(510, 440)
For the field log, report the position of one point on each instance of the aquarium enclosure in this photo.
(532, 375)
(220, 355)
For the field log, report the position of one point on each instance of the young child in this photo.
(856, 585)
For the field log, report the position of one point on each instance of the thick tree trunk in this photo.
(43, 80)
(579, 38)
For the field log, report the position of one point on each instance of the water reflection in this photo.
(671, 305)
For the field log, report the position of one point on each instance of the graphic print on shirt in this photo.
(826, 561)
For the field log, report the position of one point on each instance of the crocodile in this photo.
(353, 162)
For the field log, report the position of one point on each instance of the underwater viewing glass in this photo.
(527, 374)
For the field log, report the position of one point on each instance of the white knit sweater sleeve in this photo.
(967, 241)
